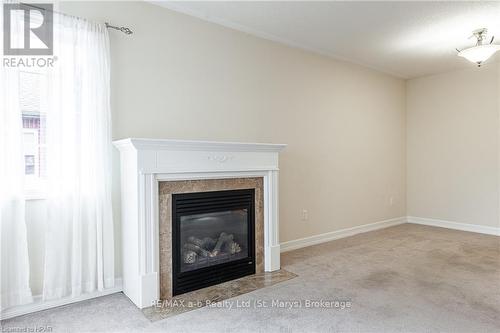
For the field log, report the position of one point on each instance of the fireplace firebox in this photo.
(212, 238)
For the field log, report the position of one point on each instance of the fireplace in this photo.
(213, 238)
(153, 170)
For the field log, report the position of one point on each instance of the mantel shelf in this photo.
(192, 145)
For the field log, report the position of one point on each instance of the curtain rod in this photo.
(125, 30)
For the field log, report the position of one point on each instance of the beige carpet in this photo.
(407, 278)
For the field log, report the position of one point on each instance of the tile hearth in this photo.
(218, 293)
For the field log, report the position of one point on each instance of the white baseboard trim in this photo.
(329, 236)
(39, 305)
(454, 225)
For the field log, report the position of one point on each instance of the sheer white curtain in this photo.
(79, 256)
(14, 263)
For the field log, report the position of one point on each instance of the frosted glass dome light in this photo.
(480, 52)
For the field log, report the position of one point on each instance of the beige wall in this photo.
(453, 151)
(180, 77)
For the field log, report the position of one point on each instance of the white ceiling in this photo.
(406, 39)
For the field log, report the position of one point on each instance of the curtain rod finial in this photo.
(125, 30)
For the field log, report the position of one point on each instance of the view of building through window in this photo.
(33, 118)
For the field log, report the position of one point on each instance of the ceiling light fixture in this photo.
(480, 52)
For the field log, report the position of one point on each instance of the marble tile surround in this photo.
(167, 188)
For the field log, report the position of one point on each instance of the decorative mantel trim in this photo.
(146, 162)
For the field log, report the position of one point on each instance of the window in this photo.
(32, 83)
(29, 164)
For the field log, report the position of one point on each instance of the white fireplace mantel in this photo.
(146, 162)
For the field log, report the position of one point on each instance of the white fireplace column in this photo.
(146, 162)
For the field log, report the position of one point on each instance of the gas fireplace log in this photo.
(190, 257)
(201, 252)
(206, 243)
(233, 247)
(223, 239)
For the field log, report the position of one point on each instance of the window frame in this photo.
(36, 188)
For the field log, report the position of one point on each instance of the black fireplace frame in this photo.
(208, 202)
